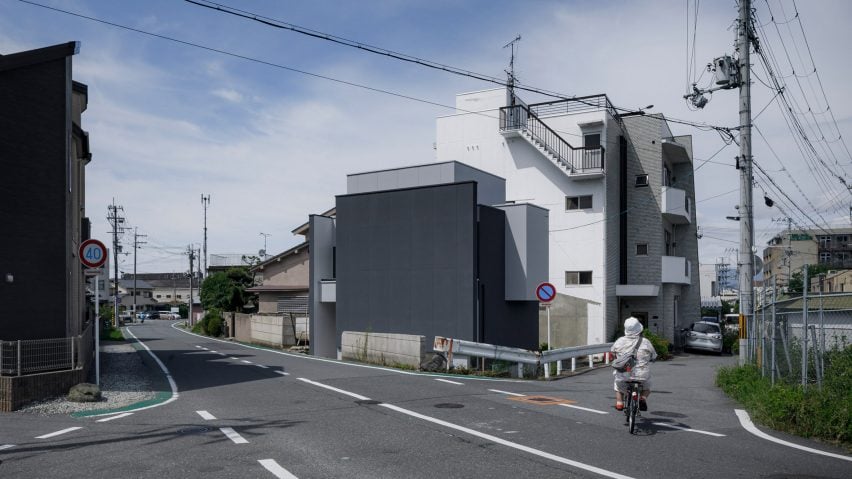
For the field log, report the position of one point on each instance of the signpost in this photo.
(546, 292)
(93, 255)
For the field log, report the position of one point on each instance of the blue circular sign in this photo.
(545, 292)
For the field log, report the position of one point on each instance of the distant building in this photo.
(621, 195)
(789, 251)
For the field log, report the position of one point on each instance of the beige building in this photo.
(785, 254)
(832, 282)
(283, 282)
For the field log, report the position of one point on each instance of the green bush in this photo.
(213, 325)
(661, 345)
(201, 326)
(807, 412)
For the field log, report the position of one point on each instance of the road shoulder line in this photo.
(749, 426)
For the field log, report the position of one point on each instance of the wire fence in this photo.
(31, 356)
(793, 340)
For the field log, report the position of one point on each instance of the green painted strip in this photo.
(159, 397)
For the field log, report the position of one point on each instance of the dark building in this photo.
(421, 251)
(43, 154)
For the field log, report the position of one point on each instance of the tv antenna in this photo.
(510, 83)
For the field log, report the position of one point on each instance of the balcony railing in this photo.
(576, 160)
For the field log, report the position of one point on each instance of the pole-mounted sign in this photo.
(93, 253)
(545, 292)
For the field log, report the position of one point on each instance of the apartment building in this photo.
(44, 153)
(790, 250)
(620, 191)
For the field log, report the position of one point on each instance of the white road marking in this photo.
(450, 382)
(206, 415)
(115, 417)
(202, 347)
(235, 359)
(232, 435)
(247, 362)
(749, 426)
(6, 446)
(584, 409)
(276, 469)
(507, 392)
(57, 433)
(331, 388)
(487, 437)
(221, 354)
(282, 373)
(197, 346)
(262, 366)
(212, 351)
(681, 428)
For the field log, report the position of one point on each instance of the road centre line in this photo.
(119, 416)
(58, 433)
(197, 346)
(262, 366)
(282, 373)
(487, 437)
(749, 426)
(450, 382)
(221, 354)
(276, 469)
(247, 362)
(681, 428)
(233, 435)
(6, 446)
(507, 392)
(586, 409)
(206, 415)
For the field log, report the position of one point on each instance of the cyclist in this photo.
(641, 370)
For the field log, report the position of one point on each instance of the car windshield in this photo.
(711, 319)
(705, 328)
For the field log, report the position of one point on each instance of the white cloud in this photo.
(232, 96)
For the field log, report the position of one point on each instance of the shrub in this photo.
(661, 346)
(213, 325)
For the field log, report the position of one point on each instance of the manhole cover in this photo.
(193, 430)
(545, 400)
(367, 402)
(449, 405)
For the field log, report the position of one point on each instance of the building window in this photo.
(578, 202)
(159, 296)
(578, 277)
(824, 258)
(641, 180)
(825, 242)
(179, 296)
(592, 140)
(842, 239)
(168, 296)
(668, 240)
(641, 249)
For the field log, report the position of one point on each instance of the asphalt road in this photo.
(244, 412)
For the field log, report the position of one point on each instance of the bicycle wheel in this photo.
(634, 409)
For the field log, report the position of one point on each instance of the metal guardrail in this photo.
(517, 355)
(30, 356)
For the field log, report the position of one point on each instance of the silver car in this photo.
(703, 335)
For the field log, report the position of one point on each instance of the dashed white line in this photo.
(206, 415)
(233, 435)
(197, 346)
(749, 426)
(57, 433)
(450, 382)
(247, 362)
(276, 469)
(282, 373)
(487, 437)
(262, 366)
(235, 359)
(584, 409)
(115, 417)
(212, 351)
(6, 446)
(681, 428)
(507, 392)
(221, 354)
(202, 347)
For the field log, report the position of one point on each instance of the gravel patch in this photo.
(124, 381)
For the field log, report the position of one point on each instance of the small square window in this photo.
(159, 295)
(642, 180)
(168, 296)
(578, 202)
(641, 249)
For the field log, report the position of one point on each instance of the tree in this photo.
(227, 290)
(795, 286)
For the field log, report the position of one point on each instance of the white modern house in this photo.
(621, 196)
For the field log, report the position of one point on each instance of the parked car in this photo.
(703, 335)
(125, 318)
(153, 315)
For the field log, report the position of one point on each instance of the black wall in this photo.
(506, 323)
(33, 244)
(406, 261)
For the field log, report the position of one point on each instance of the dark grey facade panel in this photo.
(406, 261)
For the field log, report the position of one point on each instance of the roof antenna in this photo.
(510, 82)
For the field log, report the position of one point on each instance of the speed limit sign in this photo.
(93, 253)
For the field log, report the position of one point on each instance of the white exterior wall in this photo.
(577, 237)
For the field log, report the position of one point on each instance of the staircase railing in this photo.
(583, 159)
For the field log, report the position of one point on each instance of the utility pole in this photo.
(744, 37)
(205, 201)
(191, 252)
(116, 220)
(136, 244)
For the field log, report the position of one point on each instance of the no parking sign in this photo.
(545, 292)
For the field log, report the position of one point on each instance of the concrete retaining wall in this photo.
(384, 348)
(268, 329)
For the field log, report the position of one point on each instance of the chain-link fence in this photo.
(791, 339)
(31, 356)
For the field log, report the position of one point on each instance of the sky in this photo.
(268, 122)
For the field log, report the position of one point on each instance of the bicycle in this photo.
(631, 406)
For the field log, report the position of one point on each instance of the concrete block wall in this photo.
(383, 348)
(16, 391)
